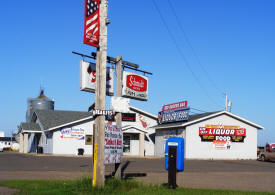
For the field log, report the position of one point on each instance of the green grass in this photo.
(112, 186)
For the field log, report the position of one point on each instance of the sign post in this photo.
(118, 115)
(100, 93)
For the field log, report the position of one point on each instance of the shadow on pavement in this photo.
(126, 175)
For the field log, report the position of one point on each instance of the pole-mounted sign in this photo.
(88, 78)
(91, 23)
(135, 86)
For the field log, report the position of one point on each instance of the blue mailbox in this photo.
(178, 144)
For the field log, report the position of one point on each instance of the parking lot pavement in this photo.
(224, 174)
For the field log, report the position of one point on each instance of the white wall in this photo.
(70, 145)
(196, 149)
(139, 124)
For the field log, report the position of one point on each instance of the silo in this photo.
(42, 102)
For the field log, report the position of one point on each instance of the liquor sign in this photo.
(113, 147)
(135, 86)
(175, 106)
(222, 133)
(173, 115)
(88, 78)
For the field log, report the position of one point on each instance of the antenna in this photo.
(226, 101)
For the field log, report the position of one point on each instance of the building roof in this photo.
(143, 112)
(53, 119)
(30, 127)
(204, 116)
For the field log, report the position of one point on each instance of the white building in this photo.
(2, 134)
(214, 135)
(64, 132)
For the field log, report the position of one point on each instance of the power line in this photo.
(198, 110)
(180, 52)
(192, 48)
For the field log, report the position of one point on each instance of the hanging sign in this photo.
(88, 78)
(113, 148)
(135, 86)
(91, 23)
(222, 133)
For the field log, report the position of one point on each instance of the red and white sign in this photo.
(88, 78)
(222, 145)
(91, 23)
(113, 148)
(222, 132)
(174, 106)
(135, 86)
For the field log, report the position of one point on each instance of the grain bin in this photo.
(42, 102)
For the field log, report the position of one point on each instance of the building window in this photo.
(88, 140)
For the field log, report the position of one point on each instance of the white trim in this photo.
(210, 116)
(70, 123)
(147, 113)
(132, 127)
(30, 131)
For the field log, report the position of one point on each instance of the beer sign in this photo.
(135, 86)
(88, 78)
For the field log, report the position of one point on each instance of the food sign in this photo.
(222, 133)
(135, 86)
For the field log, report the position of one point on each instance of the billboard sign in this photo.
(177, 115)
(113, 147)
(135, 86)
(222, 133)
(88, 78)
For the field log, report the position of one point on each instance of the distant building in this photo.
(2, 134)
(6, 142)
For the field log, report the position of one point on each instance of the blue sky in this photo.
(228, 46)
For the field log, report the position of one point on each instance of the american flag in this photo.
(91, 26)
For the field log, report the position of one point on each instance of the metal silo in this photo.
(42, 102)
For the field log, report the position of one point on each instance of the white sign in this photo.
(103, 112)
(88, 78)
(120, 104)
(113, 144)
(135, 86)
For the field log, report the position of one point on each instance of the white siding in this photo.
(196, 149)
(69, 145)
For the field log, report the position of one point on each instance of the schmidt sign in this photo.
(174, 113)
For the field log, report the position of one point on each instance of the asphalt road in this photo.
(223, 174)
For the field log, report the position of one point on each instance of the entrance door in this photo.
(126, 143)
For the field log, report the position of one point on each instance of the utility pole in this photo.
(100, 94)
(118, 115)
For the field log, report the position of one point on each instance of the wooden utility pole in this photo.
(118, 115)
(100, 94)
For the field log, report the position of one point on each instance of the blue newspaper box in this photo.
(177, 142)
